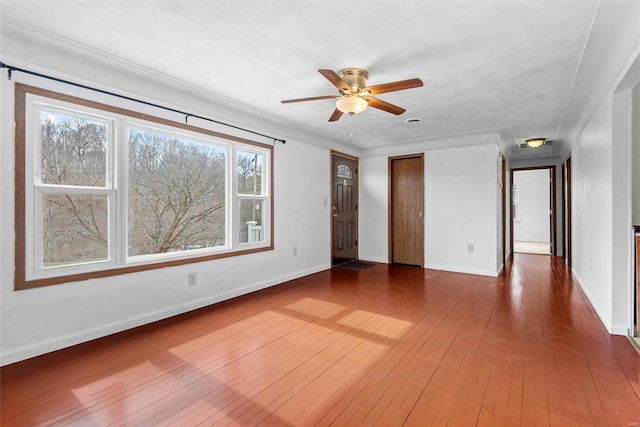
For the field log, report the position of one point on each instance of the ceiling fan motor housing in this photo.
(356, 78)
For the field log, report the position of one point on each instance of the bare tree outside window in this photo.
(176, 194)
(73, 153)
(75, 229)
(73, 150)
(249, 170)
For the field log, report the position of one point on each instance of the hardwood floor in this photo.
(389, 345)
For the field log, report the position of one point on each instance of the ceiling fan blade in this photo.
(313, 98)
(394, 86)
(335, 80)
(335, 116)
(384, 105)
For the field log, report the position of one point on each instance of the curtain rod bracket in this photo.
(9, 69)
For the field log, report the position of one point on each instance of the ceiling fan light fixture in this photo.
(351, 104)
(535, 142)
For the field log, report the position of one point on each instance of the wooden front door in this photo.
(406, 219)
(344, 209)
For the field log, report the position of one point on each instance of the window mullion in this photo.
(233, 199)
(69, 189)
(122, 190)
(112, 169)
(35, 255)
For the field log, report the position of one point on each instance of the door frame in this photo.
(552, 206)
(566, 185)
(356, 197)
(390, 161)
(503, 215)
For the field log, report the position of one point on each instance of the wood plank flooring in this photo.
(389, 345)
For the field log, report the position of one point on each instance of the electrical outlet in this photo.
(469, 247)
(295, 249)
(192, 279)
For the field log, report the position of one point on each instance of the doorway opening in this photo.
(344, 208)
(503, 205)
(566, 200)
(533, 210)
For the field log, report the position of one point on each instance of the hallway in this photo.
(389, 345)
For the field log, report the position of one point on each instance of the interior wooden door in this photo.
(406, 210)
(344, 209)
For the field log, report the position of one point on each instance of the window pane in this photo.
(249, 173)
(75, 229)
(73, 150)
(176, 194)
(251, 229)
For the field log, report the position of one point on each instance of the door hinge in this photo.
(356, 243)
(356, 206)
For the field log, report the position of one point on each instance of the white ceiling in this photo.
(508, 67)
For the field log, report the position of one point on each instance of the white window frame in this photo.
(239, 197)
(124, 194)
(29, 269)
(35, 190)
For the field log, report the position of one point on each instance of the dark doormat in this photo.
(355, 265)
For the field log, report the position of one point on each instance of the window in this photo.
(176, 193)
(102, 191)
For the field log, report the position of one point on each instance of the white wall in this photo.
(461, 207)
(601, 178)
(592, 214)
(532, 222)
(39, 320)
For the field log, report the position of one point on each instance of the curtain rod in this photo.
(128, 98)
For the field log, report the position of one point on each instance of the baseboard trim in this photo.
(95, 333)
(612, 329)
(619, 330)
(378, 260)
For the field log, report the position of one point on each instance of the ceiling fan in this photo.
(355, 96)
